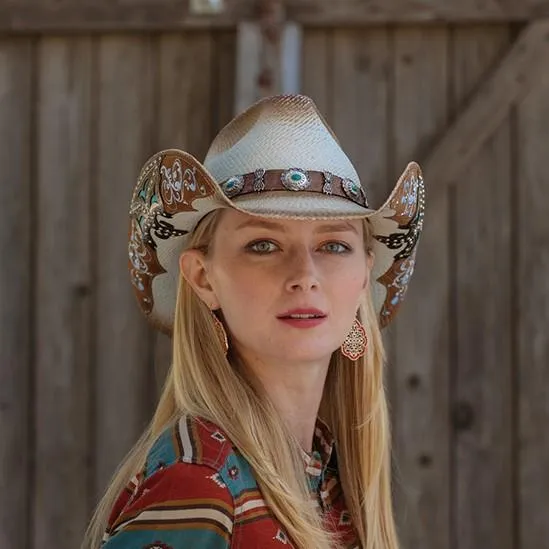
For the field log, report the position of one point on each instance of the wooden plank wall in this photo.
(468, 357)
(467, 412)
(78, 117)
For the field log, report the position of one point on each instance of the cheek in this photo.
(240, 288)
(349, 282)
(349, 291)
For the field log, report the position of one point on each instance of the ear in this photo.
(193, 267)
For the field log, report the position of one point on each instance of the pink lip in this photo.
(303, 322)
(303, 311)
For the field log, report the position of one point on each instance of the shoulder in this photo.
(189, 440)
(194, 441)
(193, 479)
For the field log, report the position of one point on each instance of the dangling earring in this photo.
(222, 334)
(356, 342)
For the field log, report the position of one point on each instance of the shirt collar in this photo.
(323, 445)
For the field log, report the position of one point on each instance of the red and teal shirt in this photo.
(197, 491)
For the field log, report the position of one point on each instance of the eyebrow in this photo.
(337, 228)
(273, 226)
(262, 224)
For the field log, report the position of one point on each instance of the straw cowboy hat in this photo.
(277, 159)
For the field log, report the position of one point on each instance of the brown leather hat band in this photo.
(294, 180)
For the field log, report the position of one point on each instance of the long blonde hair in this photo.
(204, 382)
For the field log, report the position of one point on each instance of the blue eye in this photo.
(336, 248)
(262, 247)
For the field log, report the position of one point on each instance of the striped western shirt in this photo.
(197, 491)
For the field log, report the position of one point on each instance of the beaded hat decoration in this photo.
(251, 167)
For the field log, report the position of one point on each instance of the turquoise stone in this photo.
(233, 185)
(295, 180)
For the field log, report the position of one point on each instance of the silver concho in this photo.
(327, 187)
(354, 191)
(295, 180)
(233, 185)
(259, 180)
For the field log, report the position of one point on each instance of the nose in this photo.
(302, 272)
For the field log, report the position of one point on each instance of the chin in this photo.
(305, 354)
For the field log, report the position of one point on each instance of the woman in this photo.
(274, 282)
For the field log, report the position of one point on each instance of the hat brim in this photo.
(175, 191)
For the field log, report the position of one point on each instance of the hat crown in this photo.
(280, 132)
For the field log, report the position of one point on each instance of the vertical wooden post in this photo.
(16, 276)
(268, 55)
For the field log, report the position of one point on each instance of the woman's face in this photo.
(289, 290)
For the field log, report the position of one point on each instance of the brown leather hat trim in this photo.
(277, 180)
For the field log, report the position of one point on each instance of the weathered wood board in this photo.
(422, 329)
(163, 15)
(482, 349)
(531, 314)
(18, 199)
(63, 292)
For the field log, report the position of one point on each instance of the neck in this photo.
(296, 392)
